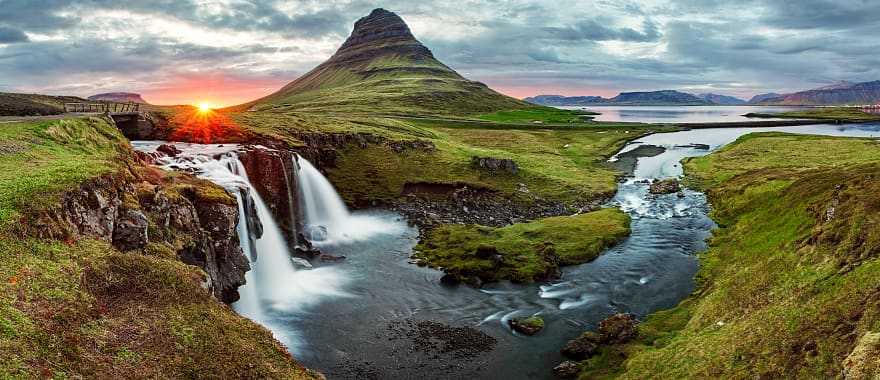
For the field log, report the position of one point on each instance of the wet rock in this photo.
(300, 263)
(491, 164)
(450, 279)
(666, 186)
(169, 149)
(315, 233)
(567, 369)
(618, 328)
(528, 326)
(131, 231)
(486, 251)
(582, 347)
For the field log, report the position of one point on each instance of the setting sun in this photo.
(204, 107)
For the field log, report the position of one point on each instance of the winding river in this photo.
(359, 318)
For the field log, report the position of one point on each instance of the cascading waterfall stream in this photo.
(326, 219)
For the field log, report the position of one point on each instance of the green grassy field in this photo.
(789, 285)
(523, 246)
(78, 308)
(843, 114)
(543, 115)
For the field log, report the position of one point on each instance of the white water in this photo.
(326, 219)
(274, 285)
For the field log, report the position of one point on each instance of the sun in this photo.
(204, 107)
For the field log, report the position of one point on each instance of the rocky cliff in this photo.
(145, 211)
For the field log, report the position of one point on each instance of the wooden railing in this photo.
(102, 107)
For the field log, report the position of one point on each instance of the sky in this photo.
(231, 51)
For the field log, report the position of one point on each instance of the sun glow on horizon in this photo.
(205, 107)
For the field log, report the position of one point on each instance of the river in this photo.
(360, 319)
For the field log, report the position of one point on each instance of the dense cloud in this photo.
(522, 47)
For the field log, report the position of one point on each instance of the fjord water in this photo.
(679, 114)
(337, 316)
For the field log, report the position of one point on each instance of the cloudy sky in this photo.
(231, 51)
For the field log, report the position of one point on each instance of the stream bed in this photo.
(375, 315)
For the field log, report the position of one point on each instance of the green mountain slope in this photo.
(382, 68)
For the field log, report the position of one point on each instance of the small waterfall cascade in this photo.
(324, 212)
(326, 219)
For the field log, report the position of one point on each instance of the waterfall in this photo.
(274, 286)
(326, 220)
(324, 213)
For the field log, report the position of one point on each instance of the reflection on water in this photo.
(679, 114)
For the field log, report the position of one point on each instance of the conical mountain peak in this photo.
(383, 68)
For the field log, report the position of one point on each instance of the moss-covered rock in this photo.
(522, 252)
(528, 326)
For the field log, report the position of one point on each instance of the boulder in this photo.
(666, 186)
(130, 231)
(169, 149)
(618, 328)
(567, 369)
(504, 165)
(528, 326)
(582, 347)
(326, 257)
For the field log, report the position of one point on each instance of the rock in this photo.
(505, 165)
(131, 231)
(862, 362)
(316, 233)
(169, 149)
(450, 279)
(666, 186)
(301, 263)
(486, 251)
(582, 347)
(618, 328)
(528, 326)
(567, 369)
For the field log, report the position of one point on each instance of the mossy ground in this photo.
(81, 309)
(523, 246)
(790, 281)
(541, 115)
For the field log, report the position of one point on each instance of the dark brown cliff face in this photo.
(383, 28)
(271, 173)
(144, 213)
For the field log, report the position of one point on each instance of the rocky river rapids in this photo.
(362, 310)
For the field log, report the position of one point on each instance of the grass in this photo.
(530, 251)
(842, 114)
(78, 308)
(542, 115)
(787, 286)
(40, 160)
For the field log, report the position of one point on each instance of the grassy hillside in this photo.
(790, 285)
(80, 308)
(33, 104)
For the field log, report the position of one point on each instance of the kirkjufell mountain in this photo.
(382, 66)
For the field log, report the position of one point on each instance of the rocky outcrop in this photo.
(862, 363)
(567, 369)
(528, 326)
(666, 186)
(582, 347)
(271, 172)
(495, 165)
(618, 328)
(134, 214)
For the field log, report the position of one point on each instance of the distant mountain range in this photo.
(837, 94)
(841, 93)
(644, 98)
(122, 97)
(722, 99)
